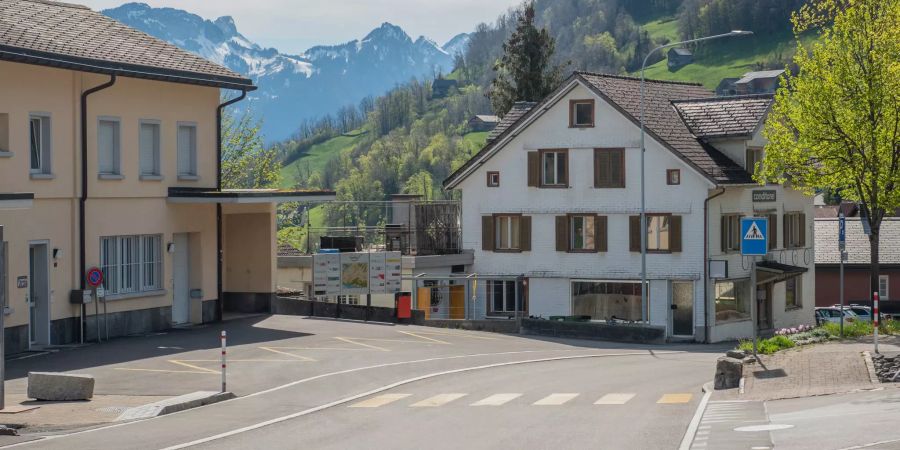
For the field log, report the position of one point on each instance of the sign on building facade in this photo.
(356, 273)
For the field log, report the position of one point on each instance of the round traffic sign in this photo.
(94, 277)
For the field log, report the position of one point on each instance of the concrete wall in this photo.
(250, 264)
(124, 206)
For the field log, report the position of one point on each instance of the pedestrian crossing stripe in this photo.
(555, 399)
(437, 400)
(497, 399)
(380, 400)
(675, 398)
(614, 399)
(754, 233)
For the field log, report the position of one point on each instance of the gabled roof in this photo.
(682, 51)
(750, 76)
(661, 122)
(517, 111)
(724, 116)
(488, 118)
(75, 37)
(858, 249)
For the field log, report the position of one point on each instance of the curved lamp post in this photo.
(643, 150)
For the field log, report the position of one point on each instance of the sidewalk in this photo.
(820, 369)
(59, 416)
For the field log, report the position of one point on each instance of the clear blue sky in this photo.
(292, 26)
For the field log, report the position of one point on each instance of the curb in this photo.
(870, 366)
(688, 438)
(175, 404)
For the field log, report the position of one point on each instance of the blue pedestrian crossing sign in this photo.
(754, 231)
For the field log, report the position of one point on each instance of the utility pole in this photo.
(4, 282)
(842, 229)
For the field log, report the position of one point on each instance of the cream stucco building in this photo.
(109, 158)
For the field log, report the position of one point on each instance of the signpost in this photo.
(3, 282)
(875, 318)
(754, 242)
(94, 278)
(842, 238)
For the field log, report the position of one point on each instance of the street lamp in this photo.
(644, 150)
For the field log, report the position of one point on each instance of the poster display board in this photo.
(357, 273)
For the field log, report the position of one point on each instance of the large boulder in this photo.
(53, 386)
(728, 373)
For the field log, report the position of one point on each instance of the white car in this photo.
(832, 314)
(864, 312)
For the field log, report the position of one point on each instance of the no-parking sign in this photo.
(94, 277)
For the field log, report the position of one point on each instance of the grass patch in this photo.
(767, 346)
(318, 155)
(664, 27)
(478, 138)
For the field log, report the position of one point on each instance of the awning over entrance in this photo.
(207, 195)
(774, 272)
(21, 200)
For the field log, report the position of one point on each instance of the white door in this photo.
(181, 310)
(38, 295)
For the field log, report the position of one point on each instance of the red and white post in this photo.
(875, 317)
(223, 361)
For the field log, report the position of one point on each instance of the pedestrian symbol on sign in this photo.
(753, 234)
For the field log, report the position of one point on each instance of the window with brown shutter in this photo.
(794, 230)
(674, 234)
(663, 233)
(582, 230)
(554, 168)
(634, 233)
(609, 168)
(581, 113)
(730, 232)
(562, 233)
(600, 235)
(510, 232)
(772, 231)
(487, 233)
(525, 233)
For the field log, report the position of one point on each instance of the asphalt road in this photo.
(300, 382)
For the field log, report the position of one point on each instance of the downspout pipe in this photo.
(82, 239)
(219, 254)
(706, 307)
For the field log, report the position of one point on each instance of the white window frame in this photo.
(131, 264)
(508, 300)
(798, 293)
(658, 231)
(156, 150)
(794, 233)
(757, 153)
(885, 294)
(116, 171)
(589, 226)
(732, 233)
(513, 239)
(44, 144)
(557, 174)
(189, 173)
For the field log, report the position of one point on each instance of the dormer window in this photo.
(581, 113)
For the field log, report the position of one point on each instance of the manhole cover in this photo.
(769, 427)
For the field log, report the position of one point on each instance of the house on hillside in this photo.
(726, 87)
(110, 159)
(550, 207)
(482, 122)
(678, 57)
(857, 276)
(761, 82)
(441, 87)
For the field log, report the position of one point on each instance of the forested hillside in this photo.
(407, 141)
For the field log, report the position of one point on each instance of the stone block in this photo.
(736, 354)
(728, 373)
(52, 386)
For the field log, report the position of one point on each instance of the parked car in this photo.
(832, 314)
(864, 312)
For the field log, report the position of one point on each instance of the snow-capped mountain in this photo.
(294, 87)
(457, 44)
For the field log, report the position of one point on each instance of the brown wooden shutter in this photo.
(723, 234)
(773, 231)
(534, 169)
(634, 233)
(675, 233)
(562, 233)
(616, 168)
(600, 234)
(487, 233)
(802, 229)
(565, 174)
(525, 233)
(785, 222)
(601, 168)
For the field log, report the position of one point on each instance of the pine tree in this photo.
(524, 72)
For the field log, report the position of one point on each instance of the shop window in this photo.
(501, 296)
(608, 300)
(792, 294)
(732, 300)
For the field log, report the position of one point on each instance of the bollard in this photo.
(875, 317)
(223, 360)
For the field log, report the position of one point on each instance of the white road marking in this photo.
(497, 400)
(695, 421)
(437, 341)
(555, 399)
(615, 399)
(437, 400)
(381, 400)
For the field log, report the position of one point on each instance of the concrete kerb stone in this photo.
(175, 404)
(52, 386)
(870, 366)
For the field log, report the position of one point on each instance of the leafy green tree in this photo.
(525, 71)
(836, 124)
(246, 162)
(421, 184)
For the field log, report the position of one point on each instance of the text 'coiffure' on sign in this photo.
(767, 195)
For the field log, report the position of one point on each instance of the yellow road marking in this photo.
(555, 399)
(182, 363)
(497, 400)
(675, 398)
(350, 341)
(437, 400)
(301, 358)
(381, 400)
(408, 333)
(161, 370)
(614, 399)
